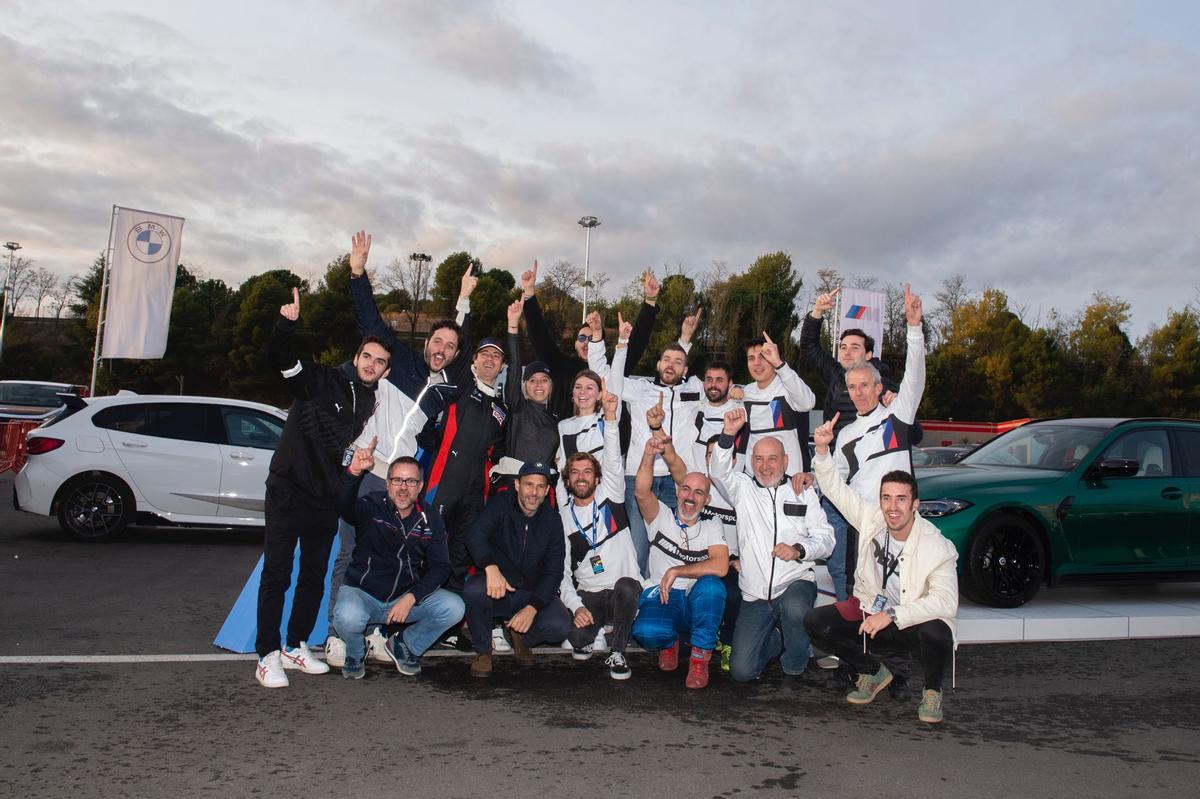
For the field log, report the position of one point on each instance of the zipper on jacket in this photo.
(363, 580)
(774, 542)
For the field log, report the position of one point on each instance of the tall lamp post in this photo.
(587, 222)
(12, 248)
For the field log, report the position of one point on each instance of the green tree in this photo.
(1108, 372)
(1172, 357)
(258, 300)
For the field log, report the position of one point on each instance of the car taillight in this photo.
(38, 445)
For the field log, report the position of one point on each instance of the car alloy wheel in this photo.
(1006, 563)
(95, 508)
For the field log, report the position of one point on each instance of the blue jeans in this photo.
(427, 620)
(347, 537)
(836, 563)
(663, 488)
(766, 630)
(695, 613)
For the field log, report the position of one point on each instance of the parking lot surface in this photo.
(1112, 718)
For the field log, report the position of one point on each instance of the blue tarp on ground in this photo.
(240, 629)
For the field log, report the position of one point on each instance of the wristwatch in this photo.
(892, 613)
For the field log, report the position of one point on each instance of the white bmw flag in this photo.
(862, 309)
(141, 284)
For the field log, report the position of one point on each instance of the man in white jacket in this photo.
(905, 588)
(601, 582)
(780, 533)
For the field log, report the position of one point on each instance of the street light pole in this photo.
(588, 222)
(12, 248)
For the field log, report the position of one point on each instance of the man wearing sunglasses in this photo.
(398, 566)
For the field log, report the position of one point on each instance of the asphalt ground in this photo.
(1096, 719)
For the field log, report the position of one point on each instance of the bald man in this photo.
(688, 557)
(780, 533)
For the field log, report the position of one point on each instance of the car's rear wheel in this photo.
(1006, 562)
(95, 507)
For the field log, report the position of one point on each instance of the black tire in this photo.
(95, 507)
(1006, 562)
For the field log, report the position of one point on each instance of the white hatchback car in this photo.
(104, 463)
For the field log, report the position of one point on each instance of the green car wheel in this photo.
(1006, 562)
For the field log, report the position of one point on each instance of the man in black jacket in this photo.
(399, 563)
(518, 542)
(331, 407)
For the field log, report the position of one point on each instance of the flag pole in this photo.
(101, 315)
(835, 329)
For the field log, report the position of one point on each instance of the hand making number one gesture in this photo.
(291, 310)
(529, 281)
(770, 351)
(364, 459)
(824, 303)
(912, 306)
(823, 435)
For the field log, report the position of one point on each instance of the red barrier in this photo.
(12, 444)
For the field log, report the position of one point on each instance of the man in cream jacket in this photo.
(905, 586)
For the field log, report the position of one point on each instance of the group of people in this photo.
(574, 504)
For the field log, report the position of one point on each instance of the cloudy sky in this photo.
(1050, 150)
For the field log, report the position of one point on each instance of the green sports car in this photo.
(1071, 499)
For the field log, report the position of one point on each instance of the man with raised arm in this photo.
(565, 366)
(398, 566)
(684, 594)
(905, 588)
(601, 582)
(777, 404)
(780, 533)
(332, 405)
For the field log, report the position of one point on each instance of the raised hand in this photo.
(360, 248)
(364, 459)
(824, 303)
(624, 329)
(291, 310)
(688, 328)
(529, 281)
(656, 415)
(514, 315)
(469, 281)
(594, 321)
(737, 393)
(823, 435)
(770, 351)
(912, 306)
(650, 285)
(609, 402)
(734, 420)
(887, 397)
(656, 446)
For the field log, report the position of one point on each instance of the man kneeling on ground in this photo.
(518, 542)
(905, 586)
(399, 563)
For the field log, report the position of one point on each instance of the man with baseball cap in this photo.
(517, 542)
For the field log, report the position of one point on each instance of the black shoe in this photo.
(898, 690)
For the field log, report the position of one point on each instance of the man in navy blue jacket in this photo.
(518, 543)
(398, 566)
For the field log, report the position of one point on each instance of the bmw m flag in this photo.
(141, 283)
(862, 309)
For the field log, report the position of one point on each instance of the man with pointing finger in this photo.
(518, 543)
(777, 405)
(332, 406)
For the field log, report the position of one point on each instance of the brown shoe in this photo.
(521, 651)
(698, 668)
(481, 666)
(668, 659)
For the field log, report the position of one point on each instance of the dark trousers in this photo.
(931, 642)
(733, 601)
(551, 624)
(291, 519)
(616, 606)
(457, 516)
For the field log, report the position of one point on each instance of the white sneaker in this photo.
(335, 652)
(377, 648)
(567, 645)
(618, 669)
(269, 671)
(581, 654)
(500, 644)
(300, 658)
(601, 642)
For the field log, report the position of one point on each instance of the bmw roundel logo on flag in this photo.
(149, 242)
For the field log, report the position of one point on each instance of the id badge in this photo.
(879, 604)
(347, 456)
(597, 564)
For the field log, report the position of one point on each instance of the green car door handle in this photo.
(1171, 492)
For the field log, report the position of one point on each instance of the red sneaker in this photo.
(698, 668)
(668, 659)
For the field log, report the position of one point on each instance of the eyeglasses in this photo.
(411, 482)
(582, 337)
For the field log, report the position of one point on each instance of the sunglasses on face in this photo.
(582, 337)
(411, 482)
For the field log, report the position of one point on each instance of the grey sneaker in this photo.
(354, 669)
(930, 709)
(399, 653)
(869, 685)
(335, 652)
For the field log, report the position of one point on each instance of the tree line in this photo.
(986, 361)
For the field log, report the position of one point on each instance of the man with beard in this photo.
(780, 533)
(331, 407)
(601, 581)
(684, 594)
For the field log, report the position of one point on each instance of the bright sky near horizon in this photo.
(1049, 150)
